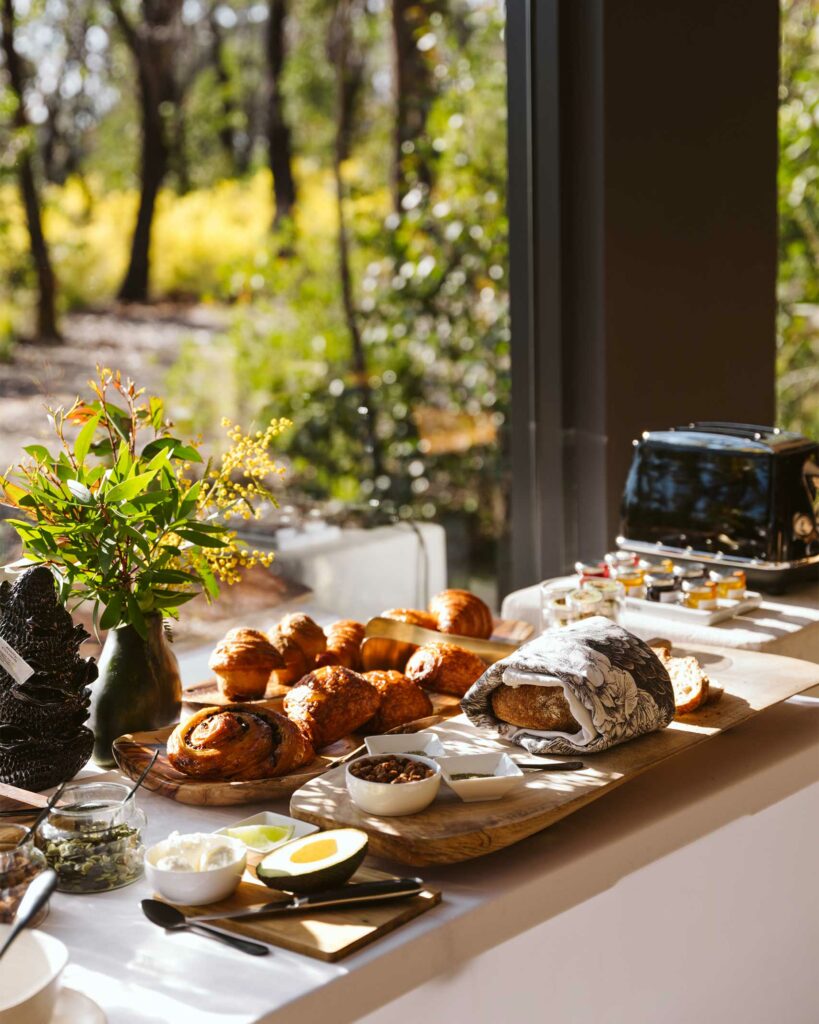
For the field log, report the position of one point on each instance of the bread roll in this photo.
(544, 708)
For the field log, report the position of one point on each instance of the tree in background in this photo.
(154, 42)
(279, 144)
(46, 327)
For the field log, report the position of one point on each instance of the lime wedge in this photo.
(261, 838)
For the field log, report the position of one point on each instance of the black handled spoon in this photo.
(33, 899)
(173, 920)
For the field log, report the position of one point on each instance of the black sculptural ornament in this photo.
(43, 737)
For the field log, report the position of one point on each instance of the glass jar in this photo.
(664, 565)
(585, 603)
(553, 608)
(591, 570)
(662, 587)
(613, 595)
(93, 840)
(20, 863)
(692, 572)
(731, 584)
(632, 582)
(621, 560)
(700, 594)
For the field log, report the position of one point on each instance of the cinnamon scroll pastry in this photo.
(237, 742)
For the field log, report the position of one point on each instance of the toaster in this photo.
(731, 495)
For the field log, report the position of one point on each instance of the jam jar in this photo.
(663, 587)
(694, 571)
(93, 840)
(20, 863)
(591, 570)
(621, 560)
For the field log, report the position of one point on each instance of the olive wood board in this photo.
(133, 753)
(449, 830)
(328, 934)
(507, 635)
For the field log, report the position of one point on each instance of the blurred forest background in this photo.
(281, 208)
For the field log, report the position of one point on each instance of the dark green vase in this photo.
(138, 687)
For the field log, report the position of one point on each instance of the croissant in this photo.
(444, 667)
(330, 703)
(299, 641)
(413, 616)
(237, 742)
(402, 701)
(242, 662)
(461, 612)
(343, 645)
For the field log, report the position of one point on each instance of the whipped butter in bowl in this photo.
(195, 869)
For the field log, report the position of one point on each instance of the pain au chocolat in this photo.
(331, 702)
(402, 700)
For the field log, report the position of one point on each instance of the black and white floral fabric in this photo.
(615, 685)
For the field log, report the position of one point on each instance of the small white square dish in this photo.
(425, 744)
(253, 839)
(480, 776)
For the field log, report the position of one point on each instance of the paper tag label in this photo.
(11, 661)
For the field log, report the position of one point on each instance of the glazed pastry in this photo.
(412, 616)
(343, 645)
(528, 706)
(242, 663)
(462, 613)
(330, 703)
(238, 742)
(444, 667)
(402, 701)
(299, 640)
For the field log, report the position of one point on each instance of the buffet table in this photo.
(705, 866)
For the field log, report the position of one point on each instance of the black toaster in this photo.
(728, 494)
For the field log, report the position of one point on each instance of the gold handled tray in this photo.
(450, 831)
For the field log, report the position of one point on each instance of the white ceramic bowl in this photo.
(426, 744)
(195, 888)
(30, 977)
(504, 775)
(391, 800)
(300, 828)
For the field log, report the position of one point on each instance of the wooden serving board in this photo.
(450, 830)
(133, 753)
(326, 935)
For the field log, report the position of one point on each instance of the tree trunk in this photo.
(349, 66)
(154, 44)
(47, 330)
(279, 144)
(414, 94)
(227, 129)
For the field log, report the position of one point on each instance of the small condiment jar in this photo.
(731, 584)
(20, 863)
(664, 565)
(591, 570)
(613, 594)
(556, 612)
(699, 594)
(693, 571)
(662, 587)
(633, 582)
(621, 559)
(585, 603)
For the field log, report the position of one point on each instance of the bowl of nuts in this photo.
(393, 784)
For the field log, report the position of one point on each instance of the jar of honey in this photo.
(730, 584)
(692, 571)
(632, 582)
(664, 565)
(700, 594)
(621, 559)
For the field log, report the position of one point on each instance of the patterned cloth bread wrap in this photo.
(615, 685)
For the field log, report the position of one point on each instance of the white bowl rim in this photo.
(427, 737)
(428, 761)
(516, 773)
(46, 940)
(238, 847)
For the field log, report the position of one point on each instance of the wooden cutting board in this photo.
(326, 935)
(450, 831)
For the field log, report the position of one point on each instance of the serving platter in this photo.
(449, 831)
(134, 751)
(326, 934)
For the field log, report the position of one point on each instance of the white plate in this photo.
(300, 828)
(425, 743)
(75, 1008)
(505, 775)
(701, 616)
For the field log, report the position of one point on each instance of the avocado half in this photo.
(319, 861)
